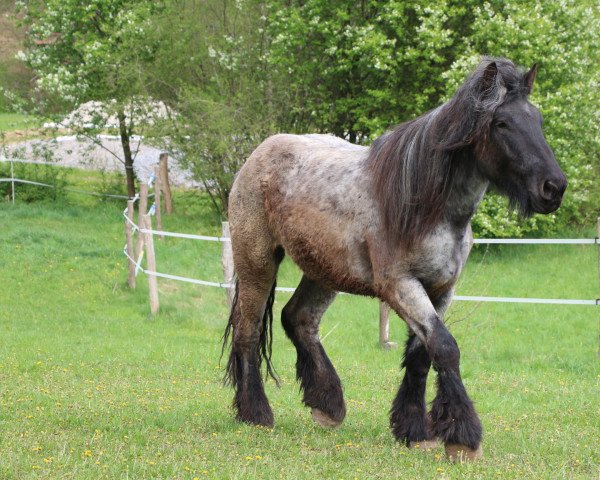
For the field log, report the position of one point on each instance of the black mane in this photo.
(412, 165)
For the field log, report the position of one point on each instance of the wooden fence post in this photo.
(151, 263)
(227, 263)
(598, 237)
(142, 210)
(164, 176)
(384, 327)
(157, 186)
(129, 236)
(12, 178)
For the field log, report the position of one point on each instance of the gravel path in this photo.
(82, 152)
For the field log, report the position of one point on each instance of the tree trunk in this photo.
(125, 139)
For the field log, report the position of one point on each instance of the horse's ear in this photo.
(530, 77)
(488, 79)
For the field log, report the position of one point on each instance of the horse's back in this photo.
(308, 194)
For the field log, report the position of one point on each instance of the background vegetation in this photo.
(233, 72)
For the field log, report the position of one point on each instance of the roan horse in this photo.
(390, 221)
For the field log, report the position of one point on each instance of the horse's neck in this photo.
(468, 187)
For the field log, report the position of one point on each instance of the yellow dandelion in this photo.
(258, 457)
(87, 453)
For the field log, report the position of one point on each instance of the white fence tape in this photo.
(67, 189)
(553, 241)
(554, 301)
(540, 241)
(463, 298)
(185, 235)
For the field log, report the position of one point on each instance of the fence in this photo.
(13, 180)
(145, 245)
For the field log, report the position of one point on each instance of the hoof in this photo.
(461, 453)
(425, 444)
(323, 419)
(389, 345)
(262, 418)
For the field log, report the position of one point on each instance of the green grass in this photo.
(16, 121)
(92, 387)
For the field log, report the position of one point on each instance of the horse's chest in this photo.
(438, 267)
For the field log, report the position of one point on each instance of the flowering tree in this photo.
(94, 50)
(224, 92)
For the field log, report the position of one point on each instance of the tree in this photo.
(223, 92)
(93, 50)
(356, 69)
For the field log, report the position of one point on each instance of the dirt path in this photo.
(81, 152)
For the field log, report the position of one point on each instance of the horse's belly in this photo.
(328, 252)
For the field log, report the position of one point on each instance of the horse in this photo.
(391, 221)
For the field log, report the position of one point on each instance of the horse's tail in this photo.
(265, 345)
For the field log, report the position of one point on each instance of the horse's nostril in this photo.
(550, 190)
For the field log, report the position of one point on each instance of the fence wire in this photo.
(465, 298)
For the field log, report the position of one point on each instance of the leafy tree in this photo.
(356, 69)
(93, 50)
(223, 91)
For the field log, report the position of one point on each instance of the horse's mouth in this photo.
(539, 205)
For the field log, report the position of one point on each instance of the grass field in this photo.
(16, 121)
(92, 387)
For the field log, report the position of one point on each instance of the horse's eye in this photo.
(501, 125)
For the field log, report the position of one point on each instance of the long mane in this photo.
(413, 165)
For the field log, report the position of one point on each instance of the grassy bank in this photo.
(92, 387)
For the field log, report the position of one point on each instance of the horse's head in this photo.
(511, 149)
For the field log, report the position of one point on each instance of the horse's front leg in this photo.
(453, 417)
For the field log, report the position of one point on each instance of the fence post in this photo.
(164, 176)
(142, 210)
(151, 263)
(12, 178)
(384, 327)
(227, 263)
(130, 252)
(598, 237)
(157, 187)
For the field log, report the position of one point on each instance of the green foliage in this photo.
(223, 92)
(237, 70)
(356, 70)
(28, 193)
(84, 51)
(89, 51)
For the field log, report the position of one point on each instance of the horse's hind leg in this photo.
(318, 379)
(250, 320)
